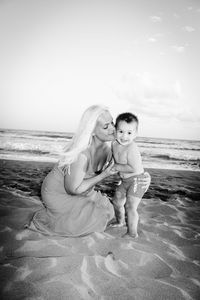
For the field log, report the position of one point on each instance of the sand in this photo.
(162, 263)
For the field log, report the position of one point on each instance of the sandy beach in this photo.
(162, 263)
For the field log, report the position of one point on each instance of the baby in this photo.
(128, 163)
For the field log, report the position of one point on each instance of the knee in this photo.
(118, 200)
(117, 204)
(130, 206)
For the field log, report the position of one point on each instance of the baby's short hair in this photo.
(127, 117)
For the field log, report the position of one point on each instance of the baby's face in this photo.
(126, 132)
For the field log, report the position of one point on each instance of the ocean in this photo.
(158, 153)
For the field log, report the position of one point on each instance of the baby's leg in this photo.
(134, 196)
(132, 215)
(118, 203)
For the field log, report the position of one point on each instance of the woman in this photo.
(72, 206)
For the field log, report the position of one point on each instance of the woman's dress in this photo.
(70, 215)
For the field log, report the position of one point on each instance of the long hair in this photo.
(83, 136)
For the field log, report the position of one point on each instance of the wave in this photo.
(177, 158)
(162, 141)
(32, 151)
(56, 148)
(149, 162)
(36, 137)
(29, 142)
(169, 144)
(164, 147)
(42, 145)
(156, 142)
(55, 136)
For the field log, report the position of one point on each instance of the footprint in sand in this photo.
(111, 255)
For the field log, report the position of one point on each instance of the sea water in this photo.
(159, 153)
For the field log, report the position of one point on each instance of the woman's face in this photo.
(104, 129)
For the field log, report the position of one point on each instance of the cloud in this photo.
(179, 49)
(152, 40)
(177, 16)
(189, 28)
(156, 19)
(188, 116)
(155, 37)
(154, 97)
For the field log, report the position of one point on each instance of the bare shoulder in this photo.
(80, 163)
(133, 148)
(82, 158)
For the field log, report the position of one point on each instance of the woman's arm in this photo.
(76, 183)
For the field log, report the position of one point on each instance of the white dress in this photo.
(70, 215)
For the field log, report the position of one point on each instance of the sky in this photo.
(57, 57)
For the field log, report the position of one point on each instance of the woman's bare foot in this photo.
(22, 234)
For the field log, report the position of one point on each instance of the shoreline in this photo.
(54, 161)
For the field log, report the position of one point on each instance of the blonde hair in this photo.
(83, 136)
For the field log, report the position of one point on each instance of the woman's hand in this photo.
(110, 168)
(145, 181)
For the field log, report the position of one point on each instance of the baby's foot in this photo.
(118, 224)
(130, 235)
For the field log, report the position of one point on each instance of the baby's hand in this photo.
(114, 168)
